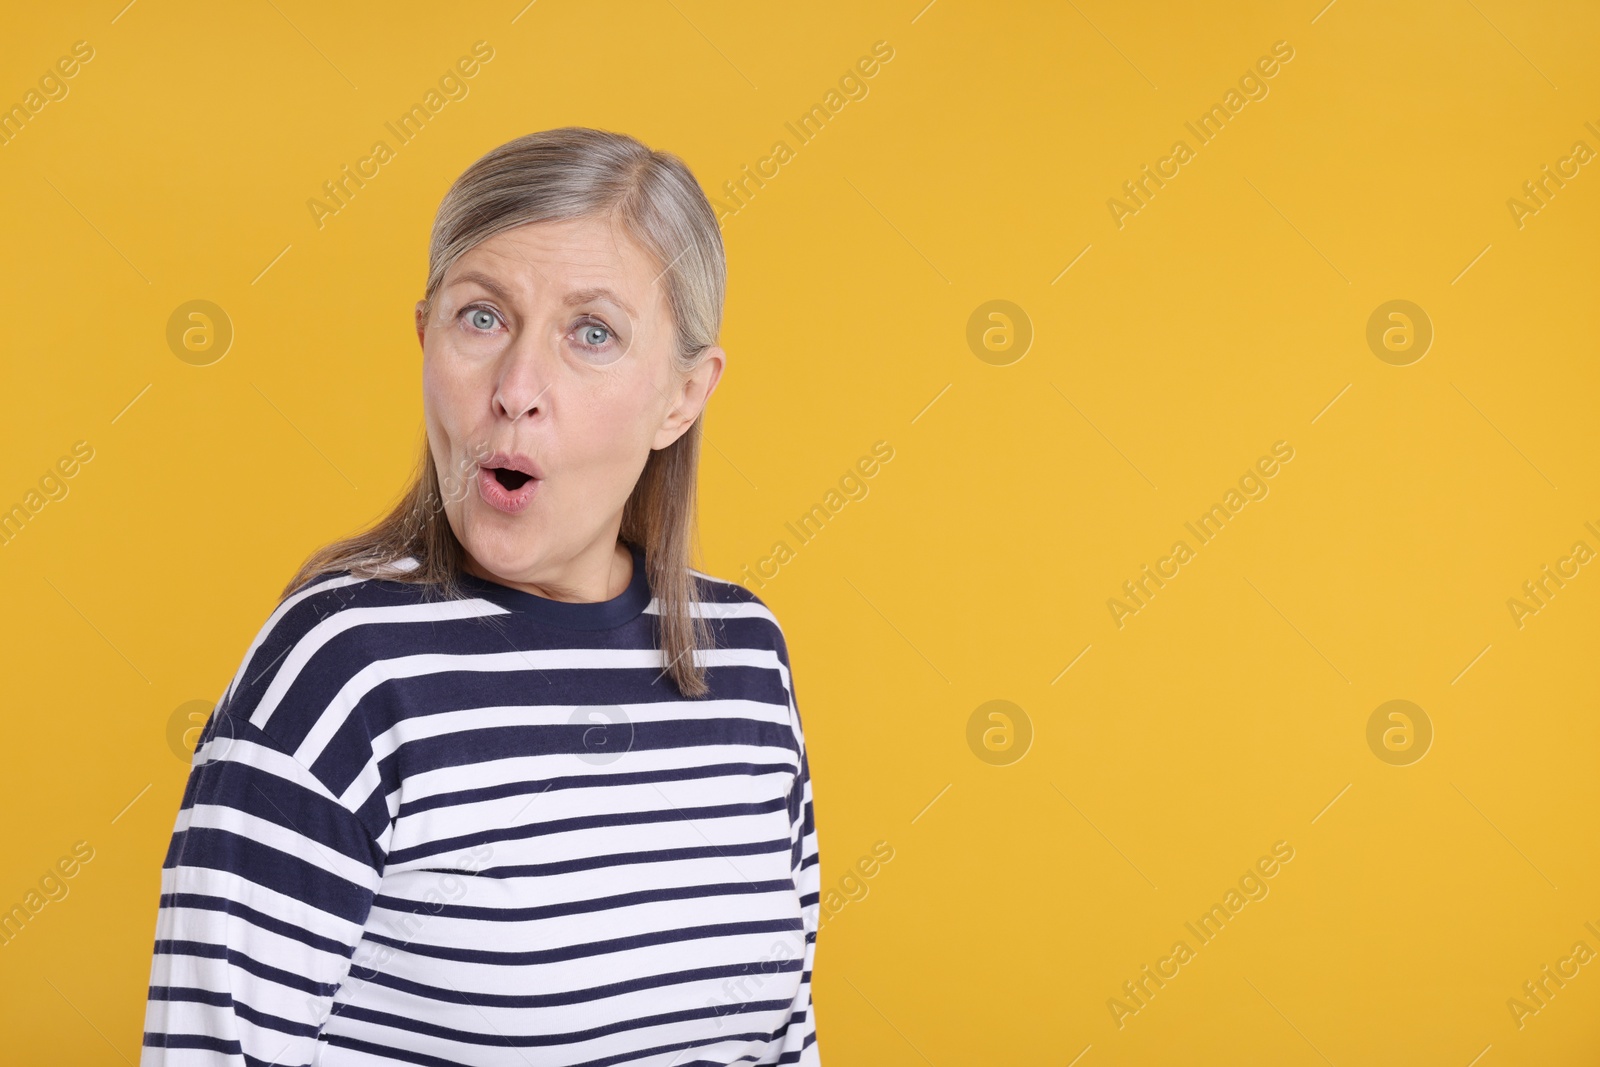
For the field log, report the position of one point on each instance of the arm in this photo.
(799, 1040)
(264, 892)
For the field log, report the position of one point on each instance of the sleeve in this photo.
(265, 890)
(799, 1040)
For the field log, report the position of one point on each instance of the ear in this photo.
(422, 323)
(691, 398)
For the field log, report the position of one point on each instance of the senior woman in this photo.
(504, 779)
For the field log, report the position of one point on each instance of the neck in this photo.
(592, 577)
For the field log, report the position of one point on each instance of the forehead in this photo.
(557, 257)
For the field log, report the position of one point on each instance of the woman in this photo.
(503, 780)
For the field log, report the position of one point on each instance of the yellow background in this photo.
(1228, 314)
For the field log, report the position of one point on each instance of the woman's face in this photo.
(549, 346)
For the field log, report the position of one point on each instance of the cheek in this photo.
(437, 394)
(455, 437)
(604, 434)
(614, 428)
(444, 374)
(450, 385)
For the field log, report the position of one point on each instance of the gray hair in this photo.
(553, 175)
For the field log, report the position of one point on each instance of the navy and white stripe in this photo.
(490, 831)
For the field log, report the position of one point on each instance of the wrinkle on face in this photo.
(591, 419)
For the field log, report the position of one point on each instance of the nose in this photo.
(522, 387)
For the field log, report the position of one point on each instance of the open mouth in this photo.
(507, 490)
(512, 480)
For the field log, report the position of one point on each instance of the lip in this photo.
(513, 461)
(497, 496)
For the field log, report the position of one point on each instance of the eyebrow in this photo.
(572, 299)
(585, 296)
(481, 279)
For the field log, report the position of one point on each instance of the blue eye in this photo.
(594, 336)
(480, 317)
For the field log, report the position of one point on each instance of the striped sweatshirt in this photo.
(490, 830)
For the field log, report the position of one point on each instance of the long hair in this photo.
(567, 173)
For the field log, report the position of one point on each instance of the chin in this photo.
(503, 555)
(502, 547)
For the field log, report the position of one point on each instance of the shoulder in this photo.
(306, 687)
(317, 641)
(746, 618)
(746, 623)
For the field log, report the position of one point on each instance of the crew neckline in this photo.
(592, 615)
